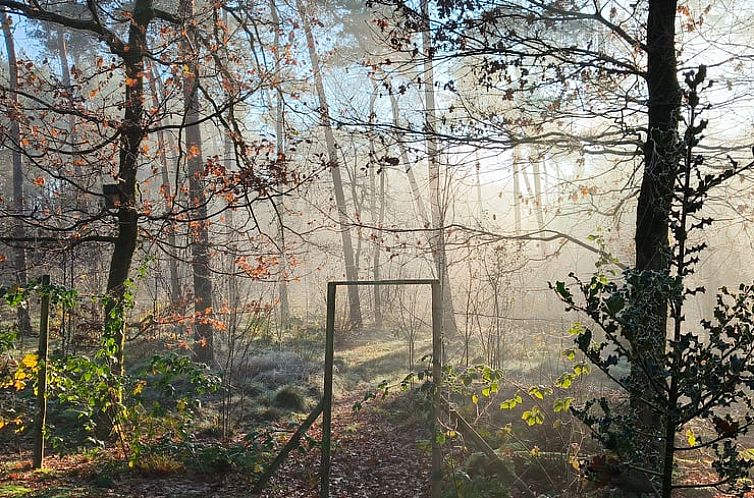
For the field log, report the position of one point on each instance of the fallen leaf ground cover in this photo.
(373, 457)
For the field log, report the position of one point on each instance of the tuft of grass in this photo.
(210, 431)
(158, 465)
(254, 388)
(103, 480)
(290, 398)
(277, 368)
(46, 473)
(63, 492)
(270, 414)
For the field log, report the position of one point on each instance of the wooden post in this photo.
(289, 446)
(39, 435)
(327, 392)
(436, 476)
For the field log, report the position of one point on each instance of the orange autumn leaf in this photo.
(39, 181)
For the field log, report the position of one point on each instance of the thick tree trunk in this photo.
(199, 231)
(132, 135)
(340, 199)
(654, 204)
(436, 201)
(19, 257)
(652, 251)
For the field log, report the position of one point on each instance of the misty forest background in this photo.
(191, 174)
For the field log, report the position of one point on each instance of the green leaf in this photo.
(562, 405)
(565, 380)
(747, 455)
(614, 304)
(536, 392)
(562, 291)
(533, 417)
(691, 437)
(577, 328)
(511, 403)
(582, 369)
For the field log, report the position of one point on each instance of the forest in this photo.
(377, 248)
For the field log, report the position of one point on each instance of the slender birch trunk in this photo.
(378, 216)
(340, 200)
(162, 144)
(278, 205)
(19, 256)
(437, 207)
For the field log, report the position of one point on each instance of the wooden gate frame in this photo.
(436, 475)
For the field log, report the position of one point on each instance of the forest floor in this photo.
(380, 451)
(372, 458)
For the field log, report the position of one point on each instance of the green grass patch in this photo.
(14, 490)
(63, 492)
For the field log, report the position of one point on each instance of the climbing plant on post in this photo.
(701, 371)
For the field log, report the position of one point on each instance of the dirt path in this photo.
(373, 457)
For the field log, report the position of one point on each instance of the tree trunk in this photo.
(421, 210)
(378, 216)
(278, 206)
(654, 204)
(652, 251)
(340, 200)
(516, 195)
(132, 135)
(436, 198)
(65, 74)
(538, 200)
(199, 231)
(357, 206)
(19, 257)
(479, 201)
(175, 288)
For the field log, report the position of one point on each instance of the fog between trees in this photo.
(225, 160)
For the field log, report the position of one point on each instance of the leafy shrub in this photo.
(678, 378)
(212, 460)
